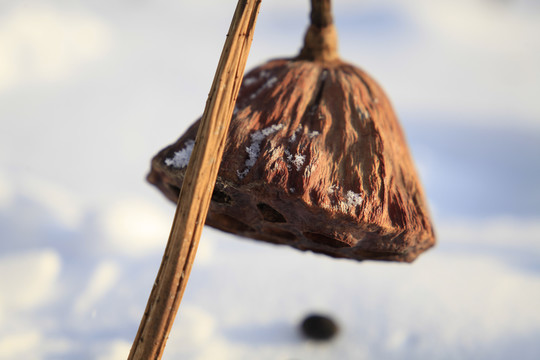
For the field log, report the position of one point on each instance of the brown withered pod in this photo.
(315, 159)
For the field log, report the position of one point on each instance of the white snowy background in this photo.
(91, 90)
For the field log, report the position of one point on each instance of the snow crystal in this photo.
(242, 174)
(293, 136)
(298, 130)
(270, 82)
(250, 81)
(181, 158)
(271, 129)
(353, 199)
(297, 160)
(254, 148)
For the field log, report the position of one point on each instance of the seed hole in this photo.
(325, 240)
(270, 214)
(174, 190)
(230, 224)
(221, 197)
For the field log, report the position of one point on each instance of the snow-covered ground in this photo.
(90, 90)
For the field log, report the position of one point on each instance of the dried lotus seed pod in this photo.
(315, 159)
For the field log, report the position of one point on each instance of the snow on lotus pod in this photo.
(316, 159)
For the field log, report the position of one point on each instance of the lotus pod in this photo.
(316, 159)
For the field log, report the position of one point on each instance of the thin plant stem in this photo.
(194, 199)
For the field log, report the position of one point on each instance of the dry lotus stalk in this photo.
(315, 159)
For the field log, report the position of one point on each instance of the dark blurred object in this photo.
(319, 327)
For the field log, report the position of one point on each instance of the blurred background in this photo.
(91, 90)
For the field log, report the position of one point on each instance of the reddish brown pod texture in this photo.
(315, 159)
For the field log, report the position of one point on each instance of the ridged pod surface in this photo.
(315, 159)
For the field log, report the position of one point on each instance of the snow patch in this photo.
(116, 350)
(181, 158)
(59, 201)
(6, 192)
(20, 345)
(332, 189)
(133, 227)
(28, 279)
(63, 44)
(250, 81)
(269, 83)
(254, 148)
(352, 199)
(101, 282)
(296, 132)
(297, 160)
(196, 324)
(313, 134)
